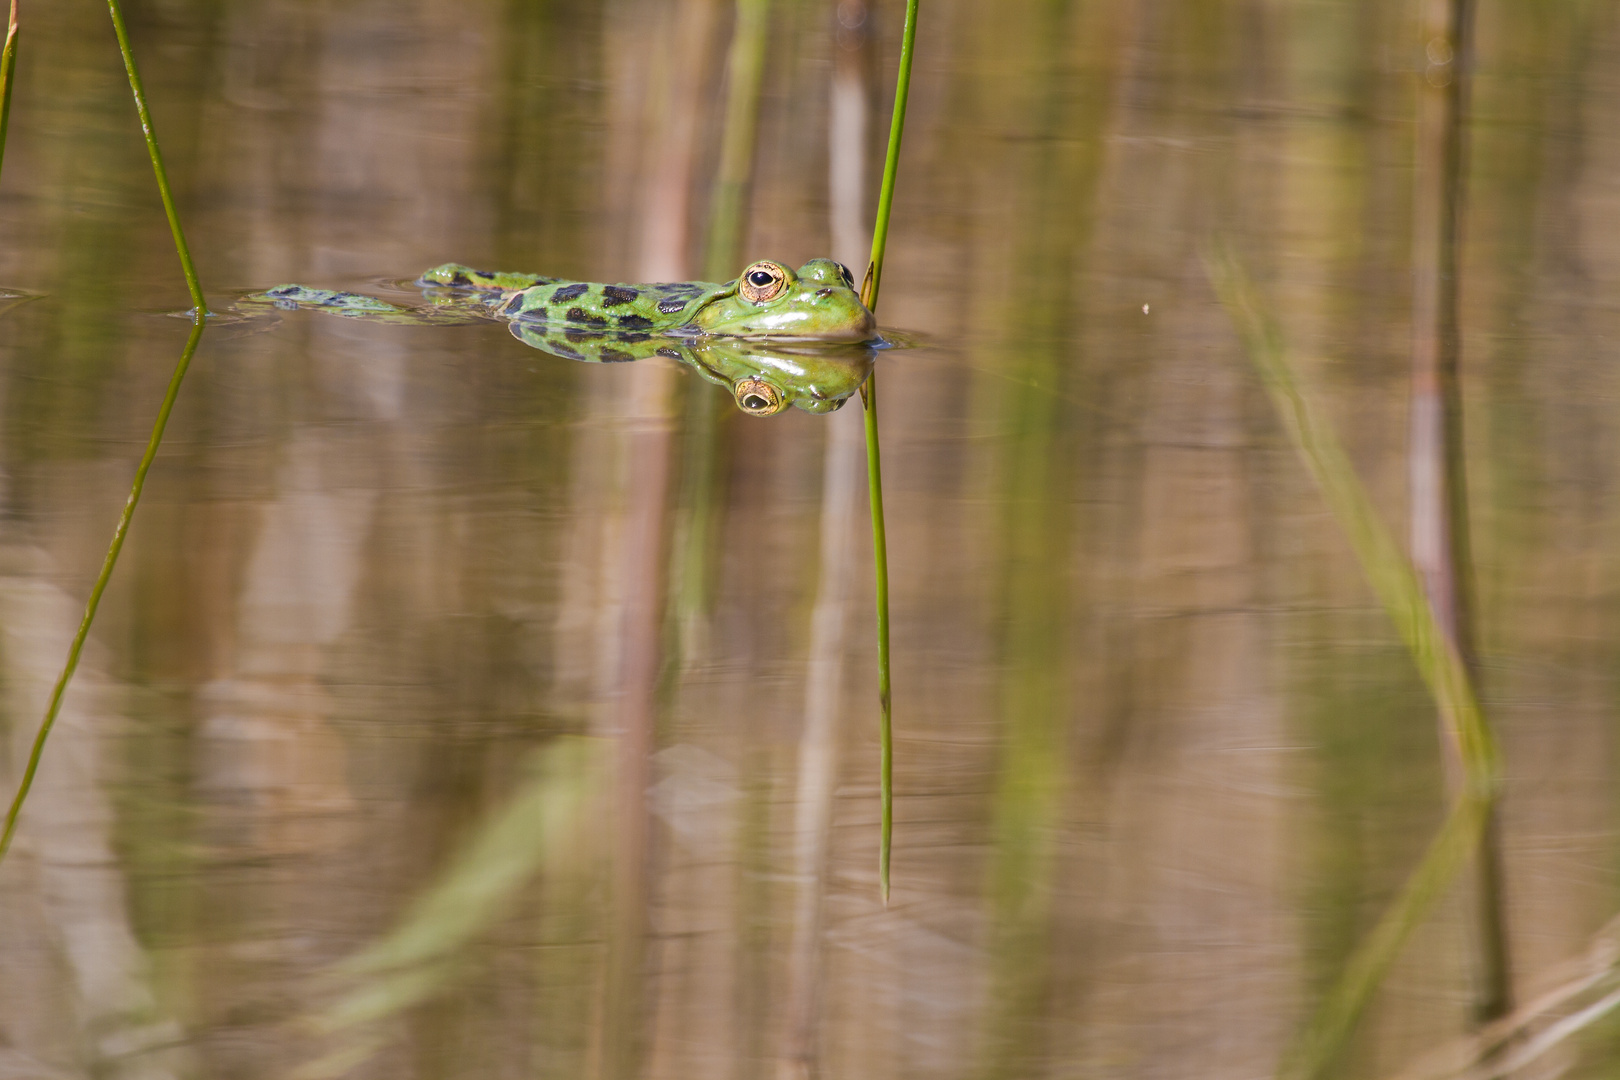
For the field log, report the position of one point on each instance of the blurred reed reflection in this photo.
(441, 722)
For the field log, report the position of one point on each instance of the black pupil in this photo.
(843, 272)
(761, 278)
(754, 401)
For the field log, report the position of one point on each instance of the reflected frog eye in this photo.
(757, 397)
(762, 282)
(849, 278)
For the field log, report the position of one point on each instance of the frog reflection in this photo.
(764, 376)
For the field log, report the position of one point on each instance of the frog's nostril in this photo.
(822, 294)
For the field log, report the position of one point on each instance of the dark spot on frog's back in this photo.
(282, 290)
(634, 339)
(614, 295)
(582, 335)
(585, 318)
(460, 278)
(515, 305)
(615, 356)
(562, 350)
(569, 292)
(634, 322)
(672, 304)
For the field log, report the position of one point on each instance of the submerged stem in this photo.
(874, 466)
(199, 305)
(100, 586)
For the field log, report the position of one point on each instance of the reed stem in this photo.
(100, 587)
(874, 466)
(8, 67)
(891, 163)
(199, 309)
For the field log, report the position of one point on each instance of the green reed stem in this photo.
(8, 66)
(199, 309)
(100, 587)
(874, 466)
(891, 163)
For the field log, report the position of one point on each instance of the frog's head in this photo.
(817, 302)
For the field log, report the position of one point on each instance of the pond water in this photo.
(458, 710)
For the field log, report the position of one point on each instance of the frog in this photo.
(768, 299)
(762, 334)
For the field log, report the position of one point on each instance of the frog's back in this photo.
(590, 306)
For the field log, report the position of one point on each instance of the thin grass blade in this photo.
(117, 545)
(541, 829)
(1399, 590)
(501, 855)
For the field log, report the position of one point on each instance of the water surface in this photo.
(411, 609)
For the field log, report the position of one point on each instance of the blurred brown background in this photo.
(423, 633)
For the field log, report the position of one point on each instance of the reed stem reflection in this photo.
(120, 531)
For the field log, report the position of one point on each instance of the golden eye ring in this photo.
(762, 282)
(756, 397)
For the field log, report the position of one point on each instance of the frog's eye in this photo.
(849, 278)
(762, 282)
(756, 397)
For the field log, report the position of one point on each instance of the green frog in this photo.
(771, 335)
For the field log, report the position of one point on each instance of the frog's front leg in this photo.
(457, 276)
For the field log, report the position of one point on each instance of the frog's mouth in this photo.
(805, 321)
